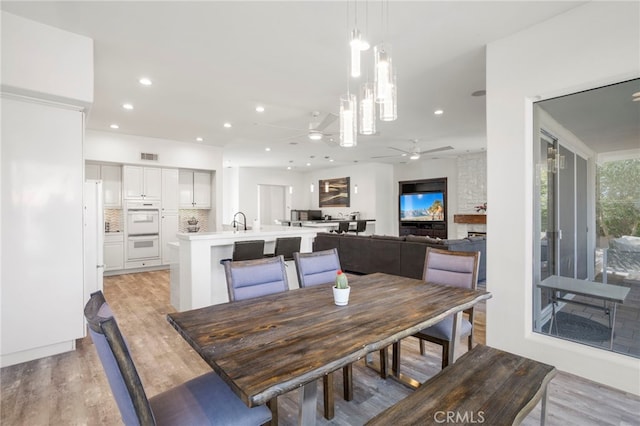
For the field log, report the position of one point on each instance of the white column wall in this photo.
(589, 46)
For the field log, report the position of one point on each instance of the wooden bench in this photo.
(485, 386)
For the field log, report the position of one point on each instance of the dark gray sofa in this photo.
(402, 256)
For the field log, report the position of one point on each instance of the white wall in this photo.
(247, 190)
(46, 62)
(374, 199)
(42, 190)
(126, 149)
(592, 45)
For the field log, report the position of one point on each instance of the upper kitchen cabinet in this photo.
(111, 177)
(169, 191)
(195, 190)
(142, 183)
(92, 171)
(111, 185)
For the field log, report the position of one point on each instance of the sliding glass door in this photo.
(561, 218)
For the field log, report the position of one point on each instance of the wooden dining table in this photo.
(268, 346)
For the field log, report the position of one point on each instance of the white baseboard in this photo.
(36, 353)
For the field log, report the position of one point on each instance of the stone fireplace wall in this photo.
(472, 189)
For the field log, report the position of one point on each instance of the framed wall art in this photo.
(334, 192)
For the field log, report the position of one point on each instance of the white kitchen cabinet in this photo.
(111, 177)
(142, 183)
(170, 191)
(92, 171)
(168, 231)
(113, 251)
(111, 186)
(195, 190)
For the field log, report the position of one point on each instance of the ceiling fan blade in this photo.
(280, 127)
(386, 156)
(326, 122)
(401, 150)
(442, 148)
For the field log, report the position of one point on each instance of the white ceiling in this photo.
(606, 119)
(214, 62)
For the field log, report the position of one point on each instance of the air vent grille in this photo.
(148, 156)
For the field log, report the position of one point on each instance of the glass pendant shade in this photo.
(356, 41)
(389, 104)
(348, 121)
(367, 118)
(382, 69)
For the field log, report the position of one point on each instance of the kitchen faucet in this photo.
(244, 220)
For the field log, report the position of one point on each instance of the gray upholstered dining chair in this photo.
(205, 400)
(454, 268)
(320, 268)
(247, 279)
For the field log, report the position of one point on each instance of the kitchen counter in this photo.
(197, 277)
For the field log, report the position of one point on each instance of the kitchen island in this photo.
(197, 277)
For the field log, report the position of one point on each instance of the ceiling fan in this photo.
(415, 152)
(315, 130)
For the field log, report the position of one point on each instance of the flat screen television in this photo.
(422, 207)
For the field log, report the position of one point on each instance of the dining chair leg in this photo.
(422, 347)
(327, 390)
(273, 406)
(347, 382)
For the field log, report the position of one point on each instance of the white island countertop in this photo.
(198, 279)
(265, 232)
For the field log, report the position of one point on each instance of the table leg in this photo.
(543, 412)
(553, 314)
(308, 402)
(273, 406)
(612, 318)
(454, 346)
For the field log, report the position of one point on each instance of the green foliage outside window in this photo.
(618, 204)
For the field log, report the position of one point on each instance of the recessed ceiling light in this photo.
(438, 112)
(227, 125)
(288, 167)
(127, 106)
(199, 139)
(331, 160)
(259, 108)
(403, 154)
(145, 81)
(308, 164)
(267, 149)
(114, 126)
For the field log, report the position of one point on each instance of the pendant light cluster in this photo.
(361, 118)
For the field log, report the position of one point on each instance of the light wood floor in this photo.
(71, 388)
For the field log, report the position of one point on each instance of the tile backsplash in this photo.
(185, 214)
(115, 218)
